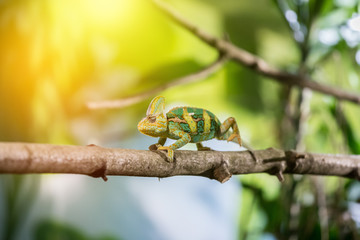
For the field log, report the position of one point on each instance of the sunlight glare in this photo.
(105, 12)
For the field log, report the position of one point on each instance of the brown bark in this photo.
(95, 161)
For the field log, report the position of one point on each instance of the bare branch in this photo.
(254, 62)
(95, 161)
(202, 74)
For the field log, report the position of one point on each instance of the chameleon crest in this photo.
(155, 122)
(186, 125)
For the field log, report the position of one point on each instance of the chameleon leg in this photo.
(184, 139)
(160, 143)
(200, 147)
(225, 126)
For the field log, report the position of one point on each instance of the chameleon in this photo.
(185, 125)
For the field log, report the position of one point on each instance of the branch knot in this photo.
(222, 173)
(292, 158)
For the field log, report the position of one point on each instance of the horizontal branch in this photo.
(254, 62)
(124, 102)
(95, 161)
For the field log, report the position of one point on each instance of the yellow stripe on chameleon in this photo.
(207, 121)
(189, 120)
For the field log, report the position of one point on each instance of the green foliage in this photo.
(167, 72)
(19, 193)
(350, 136)
(53, 230)
(56, 57)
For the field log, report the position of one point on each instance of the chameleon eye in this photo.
(152, 119)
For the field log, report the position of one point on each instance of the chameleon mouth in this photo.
(144, 129)
(147, 132)
(141, 128)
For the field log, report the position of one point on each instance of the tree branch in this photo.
(254, 62)
(124, 102)
(95, 161)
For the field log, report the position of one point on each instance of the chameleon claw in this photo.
(170, 152)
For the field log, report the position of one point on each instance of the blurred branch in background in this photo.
(323, 215)
(96, 161)
(124, 102)
(254, 62)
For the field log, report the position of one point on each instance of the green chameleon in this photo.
(186, 125)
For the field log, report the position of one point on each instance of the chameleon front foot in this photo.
(154, 147)
(200, 147)
(170, 152)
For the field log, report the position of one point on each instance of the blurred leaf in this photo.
(19, 193)
(168, 72)
(326, 6)
(315, 6)
(346, 128)
(47, 230)
(53, 230)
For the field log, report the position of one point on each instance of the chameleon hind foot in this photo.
(170, 152)
(200, 147)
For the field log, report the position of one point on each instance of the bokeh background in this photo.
(56, 56)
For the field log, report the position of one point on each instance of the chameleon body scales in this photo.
(186, 125)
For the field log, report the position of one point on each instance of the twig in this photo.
(304, 113)
(95, 161)
(202, 74)
(254, 62)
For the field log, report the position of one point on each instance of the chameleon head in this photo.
(155, 122)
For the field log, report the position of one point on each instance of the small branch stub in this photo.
(280, 176)
(221, 173)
